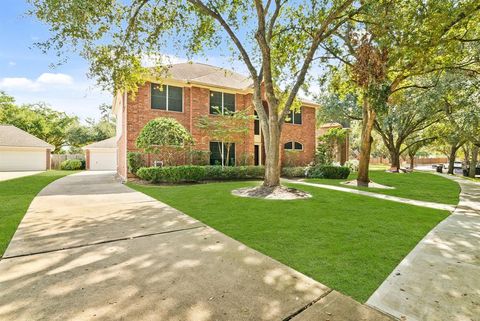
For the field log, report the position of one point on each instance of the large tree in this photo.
(399, 127)
(277, 41)
(457, 95)
(388, 45)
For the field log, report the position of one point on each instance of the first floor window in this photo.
(293, 146)
(217, 149)
(256, 125)
(166, 97)
(220, 101)
(294, 117)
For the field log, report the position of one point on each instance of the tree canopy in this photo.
(37, 119)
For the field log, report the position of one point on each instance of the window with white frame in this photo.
(293, 146)
(220, 101)
(166, 97)
(294, 117)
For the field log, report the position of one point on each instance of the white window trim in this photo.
(293, 118)
(166, 107)
(223, 95)
(293, 146)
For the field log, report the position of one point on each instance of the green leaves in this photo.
(162, 133)
(37, 119)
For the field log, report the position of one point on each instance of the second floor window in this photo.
(222, 101)
(166, 97)
(294, 117)
(256, 125)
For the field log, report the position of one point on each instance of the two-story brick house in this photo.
(191, 90)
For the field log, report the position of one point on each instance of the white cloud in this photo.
(55, 79)
(152, 59)
(12, 63)
(44, 81)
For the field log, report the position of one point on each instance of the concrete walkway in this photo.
(11, 175)
(433, 205)
(440, 279)
(90, 248)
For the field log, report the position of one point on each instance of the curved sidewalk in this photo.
(90, 248)
(397, 199)
(440, 279)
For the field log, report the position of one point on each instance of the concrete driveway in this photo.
(89, 248)
(11, 175)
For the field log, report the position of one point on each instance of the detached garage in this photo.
(102, 155)
(21, 151)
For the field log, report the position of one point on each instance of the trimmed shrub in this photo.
(72, 165)
(191, 173)
(293, 171)
(134, 162)
(328, 171)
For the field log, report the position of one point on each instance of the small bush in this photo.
(72, 165)
(191, 173)
(328, 171)
(293, 171)
(134, 162)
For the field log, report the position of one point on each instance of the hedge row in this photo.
(328, 171)
(192, 173)
(293, 172)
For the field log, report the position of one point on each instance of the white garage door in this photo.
(27, 160)
(103, 160)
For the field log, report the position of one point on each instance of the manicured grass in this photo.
(15, 197)
(348, 242)
(417, 186)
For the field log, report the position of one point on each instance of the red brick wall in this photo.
(197, 103)
(304, 134)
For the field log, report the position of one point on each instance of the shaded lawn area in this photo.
(15, 198)
(416, 186)
(348, 242)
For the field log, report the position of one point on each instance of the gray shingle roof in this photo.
(208, 75)
(106, 143)
(11, 136)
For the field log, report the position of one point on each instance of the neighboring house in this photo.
(21, 151)
(342, 150)
(102, 155)
(189, 91)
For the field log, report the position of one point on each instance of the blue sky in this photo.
(26, 73)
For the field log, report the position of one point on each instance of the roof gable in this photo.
(11, 136)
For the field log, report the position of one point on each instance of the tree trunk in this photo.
(366, 143)
(272, 158)
(473, 162)
(412, 162)
(451, 158)
(394, 161)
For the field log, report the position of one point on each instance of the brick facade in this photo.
(196, 103)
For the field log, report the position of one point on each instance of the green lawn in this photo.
(348, 242)
(417, 186)
(15, 197)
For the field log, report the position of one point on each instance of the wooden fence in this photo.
(418, 160)
(56, 159)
